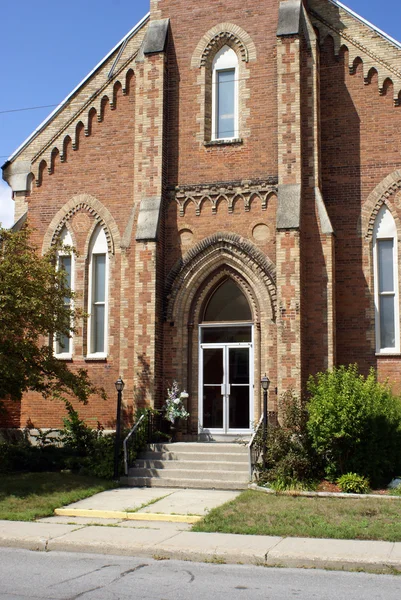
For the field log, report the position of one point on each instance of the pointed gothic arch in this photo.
(190, 286)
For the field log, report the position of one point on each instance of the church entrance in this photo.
(226, 363)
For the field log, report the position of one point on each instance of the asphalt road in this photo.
(69, 576)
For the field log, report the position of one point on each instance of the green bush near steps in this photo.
(354, 424)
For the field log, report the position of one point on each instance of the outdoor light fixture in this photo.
(119, 387)
(265, 382)
(119, 384)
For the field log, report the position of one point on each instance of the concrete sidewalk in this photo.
(155, 533)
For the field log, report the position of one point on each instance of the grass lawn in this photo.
(28, 496)
(296, 516)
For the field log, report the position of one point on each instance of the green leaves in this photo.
(33, 308)
(355, 423)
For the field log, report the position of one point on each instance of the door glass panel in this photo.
(213, 372)
(239, 407)
(239, 365)
(226, 335)
(238, 370)
(213, 377)
(212, 407)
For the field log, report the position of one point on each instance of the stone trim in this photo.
(95, 208)
(212, 253)
(216, 37)
(231, 192)
(289, 17)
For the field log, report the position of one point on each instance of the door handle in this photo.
(228, 389)
(223, 391)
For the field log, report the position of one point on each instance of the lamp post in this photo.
(265, 382)
(119, 387)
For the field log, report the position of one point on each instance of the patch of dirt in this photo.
(327, 486)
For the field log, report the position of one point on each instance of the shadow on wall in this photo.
(342, 191)
(144, 386)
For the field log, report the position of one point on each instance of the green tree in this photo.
(33, 308)
(355, 424)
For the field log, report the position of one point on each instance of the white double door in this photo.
(225, 388)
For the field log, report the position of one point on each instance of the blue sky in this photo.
(48, 47)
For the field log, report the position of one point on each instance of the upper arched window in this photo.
(227, 304)
(385, 266)
(98, 294)
(225, 95)
(63, 342)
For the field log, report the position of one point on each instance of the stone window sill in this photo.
(96, 358)
(388, 354)
(234, 141)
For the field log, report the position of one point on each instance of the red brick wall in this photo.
(360, 146)
(190, 161)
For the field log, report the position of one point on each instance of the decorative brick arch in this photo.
(382, 194)
(93, 207)
(220, 35)
(210, 255)
(388, 193)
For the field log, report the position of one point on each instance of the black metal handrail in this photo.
(130, 443)
(256, 445)
(152, 427)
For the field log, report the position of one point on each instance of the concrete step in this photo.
(194, 465)
(179, 473)
(206, 484)
(190, 456)
(200, 447)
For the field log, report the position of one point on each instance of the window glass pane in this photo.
(385, 265)
(65, 263)
(226, 335)
(100, 277)
(63, 344)
(387, 322)
(228, 303)
(98, 325)
(225, 103)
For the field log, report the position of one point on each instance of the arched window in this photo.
(225, 95)
(385, 267)
(227, 316)
(227, 303)
(63, 342)
(98, 294)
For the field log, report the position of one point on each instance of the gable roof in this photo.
(119, 46)
(366, 22)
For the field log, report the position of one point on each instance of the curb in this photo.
(266, 490)
(126, 516)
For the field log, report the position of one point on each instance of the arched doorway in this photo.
(226, 362)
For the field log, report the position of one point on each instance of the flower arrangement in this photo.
(174, 407)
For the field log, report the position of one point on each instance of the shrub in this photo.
(354, 424)
(351, 483)
(288, 458)
(22, 456)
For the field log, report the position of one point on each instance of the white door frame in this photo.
(225, 430)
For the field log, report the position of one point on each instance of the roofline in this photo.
(134, 30)
(366, 22)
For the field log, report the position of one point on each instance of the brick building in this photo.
(231, 179)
